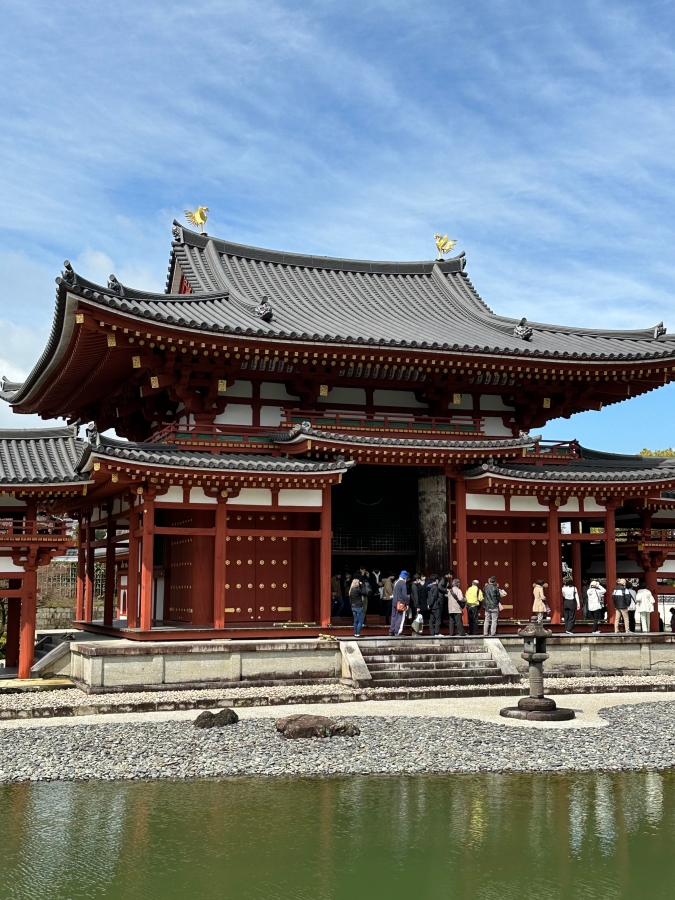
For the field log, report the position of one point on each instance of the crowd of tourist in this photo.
(417, 602)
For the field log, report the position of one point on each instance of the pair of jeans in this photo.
(570, 614)
(621, 614)
(490, 623)
(473, 618)
(644, 621)
(358, 619)
(456, 622)
(598, 616)
(338, 605)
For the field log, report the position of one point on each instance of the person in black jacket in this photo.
(434, 600)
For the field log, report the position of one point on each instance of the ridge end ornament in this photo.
(523, 330)
(444, 245)
(198, 217)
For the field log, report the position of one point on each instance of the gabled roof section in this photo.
(593, 466)
(41, 456)
(430, 304)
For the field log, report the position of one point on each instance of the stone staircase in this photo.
(436, 662)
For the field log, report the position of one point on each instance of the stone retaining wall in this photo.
(620, 654)
(108, 666)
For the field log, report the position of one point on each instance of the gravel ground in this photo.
(72, 699)
(391, 745)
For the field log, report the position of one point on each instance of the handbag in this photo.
(400, 606)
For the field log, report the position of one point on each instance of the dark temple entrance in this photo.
(375, 519)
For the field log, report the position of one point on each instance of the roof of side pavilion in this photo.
(430, 304)
(40, 456)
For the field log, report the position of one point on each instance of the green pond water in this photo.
(585, 836)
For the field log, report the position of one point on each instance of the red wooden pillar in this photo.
(147, 554)
(554, 566)
(89, 574)
(13, 625)
(109, 593)
(610, 560)
(132, 575)
(28, 612)
(220, 565)
(79, 594)
(325, 562)
(460, 533)
(653, 585)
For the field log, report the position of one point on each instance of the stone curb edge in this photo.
(49, 712)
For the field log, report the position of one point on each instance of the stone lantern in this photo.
(536, 707)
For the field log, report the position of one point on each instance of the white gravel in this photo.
(640, 736)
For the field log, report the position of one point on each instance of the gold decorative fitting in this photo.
(222, 384)
(139, 490)
(323, 390)
(115, 478)
(136, 362)
(79, 318)
(97, 466)
(154, 381)
(111, 340)
(547, 402)
(456, 399)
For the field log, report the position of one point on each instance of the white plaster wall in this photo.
(293, 497)
(495, 427)
(572, 505)
(527, 504)
(270, 415)
(485, 501)
(494, 402)
(273, 390)
(235, 414)
(354, 396)
(7, 567)
(397, 398)
(197, 495)
(252, 497)
(8, 500)
(592, 505)
(173, 495)
(466, 404)
(240, 389)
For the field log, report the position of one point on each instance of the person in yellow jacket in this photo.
(474, 598)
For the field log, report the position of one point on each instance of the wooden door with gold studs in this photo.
(240, 585)
(273, 584)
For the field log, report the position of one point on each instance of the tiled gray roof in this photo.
(304, 430)
(594, 466)
(419, 304)
(170, 455)
(40, 456)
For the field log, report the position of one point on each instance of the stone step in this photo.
(468, 674)
(425, 681)
(420, 647)
(441, 658)
(396, 666)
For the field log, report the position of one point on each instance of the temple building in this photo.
(282, 417)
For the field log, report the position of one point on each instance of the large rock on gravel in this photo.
(305, 726)
(207, 719)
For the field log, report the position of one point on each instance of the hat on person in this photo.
(475, 581)
(404, 574)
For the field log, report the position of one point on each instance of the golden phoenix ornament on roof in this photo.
(444, 244)
(198, 217)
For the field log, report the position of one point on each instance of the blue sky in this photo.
(541, 135)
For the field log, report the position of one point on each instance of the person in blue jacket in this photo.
(400, 602)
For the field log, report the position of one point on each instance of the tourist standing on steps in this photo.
(387, 592)
(539, 605)
(435, 605)
(399, 605)
(456, 604)
(644, 605)
(596, 604)
(621, 598)
(366, 588)
(474, 598)
(491, 604)
(571, 604)
(356, 601)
